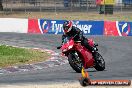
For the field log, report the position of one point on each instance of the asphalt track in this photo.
(117, 52)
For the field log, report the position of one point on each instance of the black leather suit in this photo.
(78, 37)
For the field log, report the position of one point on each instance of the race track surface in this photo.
(117, 52)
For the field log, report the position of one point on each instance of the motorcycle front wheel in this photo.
(99, 62)
(75, 62)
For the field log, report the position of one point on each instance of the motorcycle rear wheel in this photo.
(75, 62)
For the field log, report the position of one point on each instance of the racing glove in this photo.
(59, 47)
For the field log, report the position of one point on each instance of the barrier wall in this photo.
(13, 25)
(56, 26)
(46, 26)
(107, 28)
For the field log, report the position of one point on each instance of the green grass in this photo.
(10, 56)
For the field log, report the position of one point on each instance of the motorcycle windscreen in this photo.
(67, 44)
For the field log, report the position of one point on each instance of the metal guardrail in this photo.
(58, 6)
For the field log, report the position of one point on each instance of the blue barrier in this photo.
(90, 27)
(51, 26)
(56, 26)
(130, 34)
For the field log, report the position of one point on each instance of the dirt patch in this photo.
(126, 16)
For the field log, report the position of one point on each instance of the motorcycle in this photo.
(79, 56)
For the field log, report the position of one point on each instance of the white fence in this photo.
(13, 25)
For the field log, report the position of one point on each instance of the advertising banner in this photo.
(117, 28)
(33, 26)
(112, 28)
(51, 26)
(90, 27)
(56, 26)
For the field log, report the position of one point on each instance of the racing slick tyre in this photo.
(99, 62)
(75, 61)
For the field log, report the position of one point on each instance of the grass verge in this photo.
(10, 56)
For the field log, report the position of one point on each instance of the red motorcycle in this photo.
(79, 56)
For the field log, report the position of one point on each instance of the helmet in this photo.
(67, 26)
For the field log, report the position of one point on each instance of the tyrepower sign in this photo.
(56, 26)
(90, 27)
(51, 26)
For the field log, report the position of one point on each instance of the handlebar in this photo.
(95, 44)
(71, 38)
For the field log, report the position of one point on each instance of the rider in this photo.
(71, 31)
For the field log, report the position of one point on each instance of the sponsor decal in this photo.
(90, 27)
(51, 26)
(111, 82)
(86, 28)
(45, 27)
(123, 28)
(110, 28)
(117, 28)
